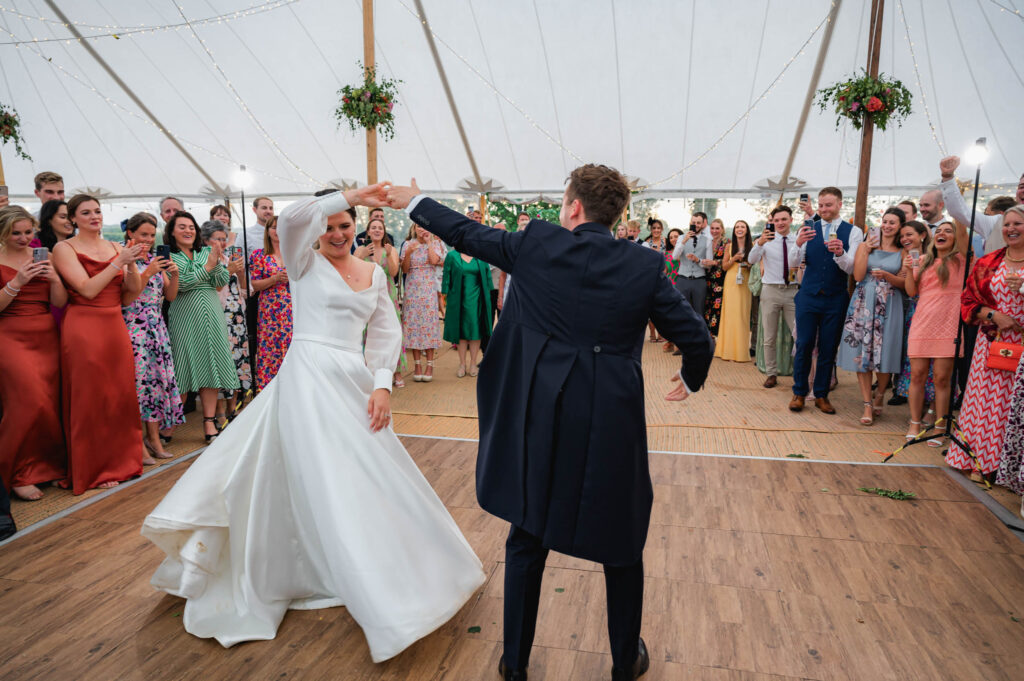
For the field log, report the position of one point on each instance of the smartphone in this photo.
(804, 197)
(235, 252)
(769, 228)
(3, 190)
(163, 251)
(40, 254)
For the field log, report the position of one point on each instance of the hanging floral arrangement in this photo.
(10, 130)
(882, 100)
(369, 105)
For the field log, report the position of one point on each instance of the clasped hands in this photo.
(383, 195)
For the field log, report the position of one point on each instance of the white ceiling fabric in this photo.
(648, 86)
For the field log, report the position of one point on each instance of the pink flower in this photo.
(854, 106)
(391, 105)
(366, 96)
(875, 104)
(888, 90)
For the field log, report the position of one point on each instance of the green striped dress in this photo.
(199, 334)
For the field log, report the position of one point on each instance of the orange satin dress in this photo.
(101, 409)
(31, 435)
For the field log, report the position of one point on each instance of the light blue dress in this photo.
(872, 338)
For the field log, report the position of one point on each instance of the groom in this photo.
(563, 437)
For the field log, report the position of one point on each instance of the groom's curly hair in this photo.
(601, 190)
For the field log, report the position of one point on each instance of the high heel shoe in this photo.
(913, 436)
(210, 419)
(868, 420)
(417, 372)
(425, 378)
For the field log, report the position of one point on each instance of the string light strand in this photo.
(917, 79)
(1011, 10)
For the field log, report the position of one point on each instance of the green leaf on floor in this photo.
(559, 590)
(474, 630)
(795, 456)
(897, 494)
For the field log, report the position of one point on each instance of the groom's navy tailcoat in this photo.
(563, 436)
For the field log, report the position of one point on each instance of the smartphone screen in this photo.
(3, 190)
(804, 197)
(40, 255)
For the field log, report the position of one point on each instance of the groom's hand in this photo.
(373, 196)
(399, 197)
(679, 392)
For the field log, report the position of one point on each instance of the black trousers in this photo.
(494, 319)
(524, 569)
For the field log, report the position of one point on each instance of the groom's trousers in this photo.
(524, 569)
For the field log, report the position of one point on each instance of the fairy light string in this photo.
(917, 79)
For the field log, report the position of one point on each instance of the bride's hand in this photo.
(379, 409)
(373, 196)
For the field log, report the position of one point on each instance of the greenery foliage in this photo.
(879, 99)
(500, 211)
(369, 105)
(10, 130)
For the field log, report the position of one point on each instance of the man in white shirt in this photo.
(779, 256)
(694, 251)
(263, 207)
(990, 227)
(49, 187)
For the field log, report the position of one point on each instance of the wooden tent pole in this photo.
(368, 65)
(2, 181)
(867, 135)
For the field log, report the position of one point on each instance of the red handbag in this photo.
(1004, 356)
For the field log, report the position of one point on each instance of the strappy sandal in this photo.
(913, 436)
(868, 420)
(210, 419)
(426, 378)
(461, 372)
(417, 373)
(876, 409)
(929, 420)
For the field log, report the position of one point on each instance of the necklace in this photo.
(1007, 257)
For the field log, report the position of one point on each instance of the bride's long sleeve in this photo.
(301, 224)
(383, 335)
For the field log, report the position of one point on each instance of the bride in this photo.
(308, 500)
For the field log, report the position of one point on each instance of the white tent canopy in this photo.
(693, 96)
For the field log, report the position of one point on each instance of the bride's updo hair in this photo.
(351, 210)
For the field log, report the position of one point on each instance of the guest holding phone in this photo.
(54, 227)
(377, 250)
(155, 384)
(734, 331)
(229, 402)
(274, 325)
(872, 340)
(715, 265)
(32, 448)
(101, 408)
(199, 335)
(421, 327)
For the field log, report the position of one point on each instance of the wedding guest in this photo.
(379, 251)
(656, 240)
(54, 225)
(155, 384)
(909, 209)
(632, 230)
(734, 329)
(49, 187)
(229, 402)
(914, 236)
(987, 226)
(828, 245)
(199, 335)
(421, 327)
(32, 448)
(777, 253)
(715, 276)
(263, 209)
(1011, 472)
(101, 409)
(671, 269)
(376, 214)
(993, 301)
(169, 205)
(222, 214)
(934, 289)
(274, 325)
(872, 339)
(620, 231)
(467, 285)
(693, 251)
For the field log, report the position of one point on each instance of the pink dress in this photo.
(933, 328)
(986, 406)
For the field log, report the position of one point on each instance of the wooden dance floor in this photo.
(757, 570)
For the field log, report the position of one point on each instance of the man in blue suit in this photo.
(563, 437)
(828, 245)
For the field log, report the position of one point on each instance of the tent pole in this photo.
(368, 65)
(128, 91)
(447, 90)
(2, 181)
(867, 135)
(812, 88)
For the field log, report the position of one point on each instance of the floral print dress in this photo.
(155, 383)
(234, 315)
(716, 285)
(274, 333)
(421, 325)
(1011, 472)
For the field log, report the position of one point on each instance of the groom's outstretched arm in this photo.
(494, 246)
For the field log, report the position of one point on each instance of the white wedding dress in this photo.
(298, 504)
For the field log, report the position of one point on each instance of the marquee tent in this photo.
(696, 97)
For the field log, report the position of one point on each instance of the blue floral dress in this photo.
(155, 383)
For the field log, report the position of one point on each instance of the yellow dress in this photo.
(734, 330)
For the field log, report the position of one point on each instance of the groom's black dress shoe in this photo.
(642, 664)
(510, 674)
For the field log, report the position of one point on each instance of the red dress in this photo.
(101, 409)
(31, 436)
(274, 330)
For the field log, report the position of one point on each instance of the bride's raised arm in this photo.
(383, 335)
(301, 224)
